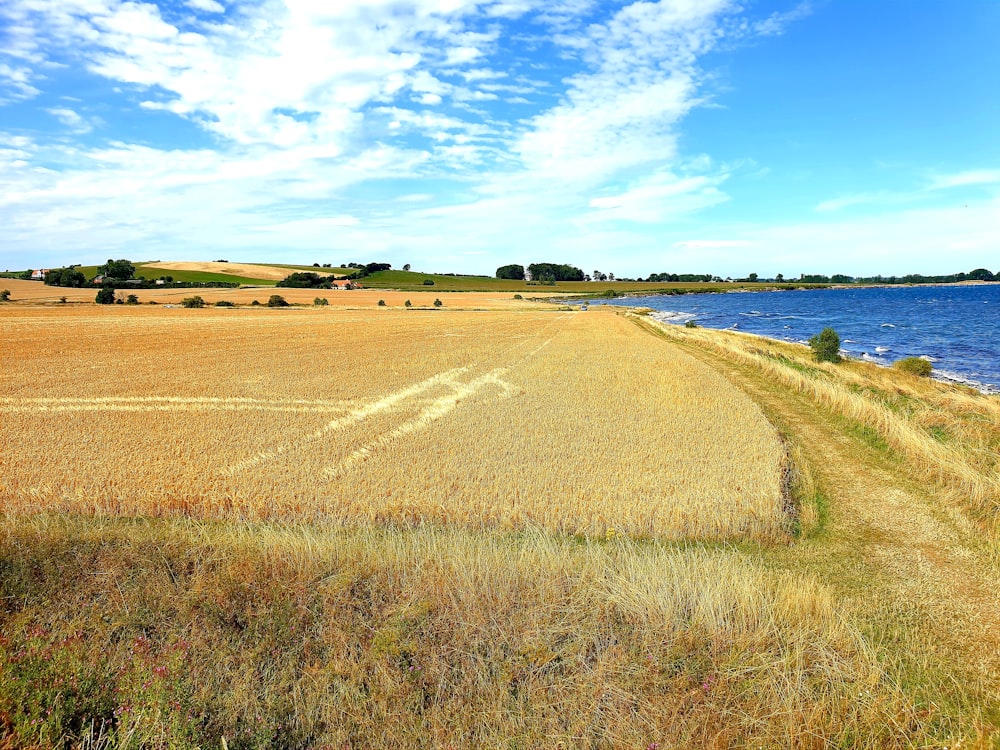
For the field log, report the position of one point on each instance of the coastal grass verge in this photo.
(945, 434)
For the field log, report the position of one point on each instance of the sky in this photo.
(679, 136)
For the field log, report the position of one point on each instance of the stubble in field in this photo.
(577, 423)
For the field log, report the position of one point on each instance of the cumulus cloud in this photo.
(318, 116)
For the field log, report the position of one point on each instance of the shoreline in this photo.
(942, 376)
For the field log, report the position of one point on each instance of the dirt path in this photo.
(907, 569)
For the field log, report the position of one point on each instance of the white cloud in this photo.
(655, 199)
(209, 6)
(322, 113)
(70, 119)
(964, 179)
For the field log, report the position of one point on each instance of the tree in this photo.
(513, 271)
(117, 269)
(407, 304)
(105, 296)
(406, 266)
(132, 299)
(981, 274)
(193, 302)
(438, 303)
(557, 272)
(276, 300)
(65, 277)
(826, 346)
(5, 295)
(780, 277)
(752, 277)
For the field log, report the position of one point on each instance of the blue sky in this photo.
(834, 136)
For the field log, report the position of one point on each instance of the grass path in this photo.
(913, 574)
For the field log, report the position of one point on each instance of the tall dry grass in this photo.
(179, 634)
(948, 434)
(578, 423)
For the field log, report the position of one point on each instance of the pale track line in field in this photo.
(352, 418)
(168, 403)
(435, 410)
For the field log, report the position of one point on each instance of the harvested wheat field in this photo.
(34, 293)
(573, 422)
(251, 270)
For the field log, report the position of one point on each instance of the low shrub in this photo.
(518, 296)
(914, 366)
(130, 300)
(428, 282)
(193, 302)
(224, 303)
(105, 296)
(5, 295)
(407, 304)
(276, 300)
(438, 303)
(255, 303)
(321, 301)
(690, 324)
(826, 346)
(381, 303)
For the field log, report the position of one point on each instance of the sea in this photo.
(955, 327)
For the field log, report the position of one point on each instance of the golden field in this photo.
(36, 293)
(573, 422)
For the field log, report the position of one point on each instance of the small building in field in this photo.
(39, 275)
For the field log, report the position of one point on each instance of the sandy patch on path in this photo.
(249, 270)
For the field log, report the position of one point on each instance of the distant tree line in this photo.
(542, 272)
(306, 280)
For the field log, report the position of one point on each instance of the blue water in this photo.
(956, 327)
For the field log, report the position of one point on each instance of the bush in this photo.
(130, 300)
(5, 295)
(826, 346)
(428, 282)
(690, 324)
(255, 303)
(63, 300)
(321, 301)
(224, 302)
(195, 301)
(518, 296)
(381, 303)
(407, 304)
(915, 366)
(276, 300)
(105, 296)
(438, 303)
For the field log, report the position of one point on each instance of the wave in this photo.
(672, 316)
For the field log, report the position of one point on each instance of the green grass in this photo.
(196, 276)
(414, 281)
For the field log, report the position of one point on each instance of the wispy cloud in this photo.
(322, 121)
(964, 179)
